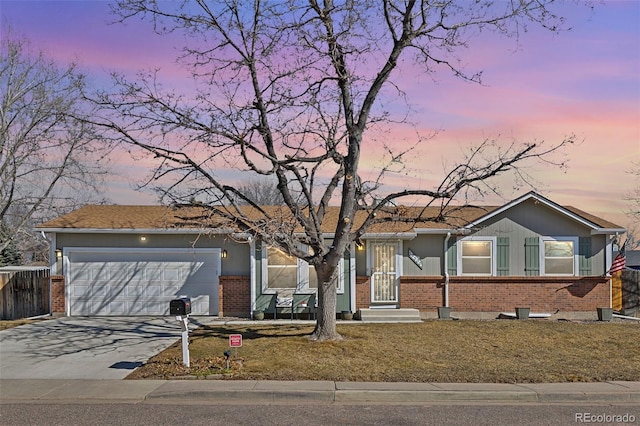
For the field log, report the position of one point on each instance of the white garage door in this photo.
(122, 281)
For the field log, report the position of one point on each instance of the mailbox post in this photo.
(181, 308)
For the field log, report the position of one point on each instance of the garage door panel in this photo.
(97, 307)
(80, 273)
(135, 291)
(101, 290)
(138, 282)
(80, 291)
(171, 273)
(137, 274)
(171, 291)
(153, 272)
(100, 274)
(154, 290)
(117, 308)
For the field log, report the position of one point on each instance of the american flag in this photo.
(620, 261)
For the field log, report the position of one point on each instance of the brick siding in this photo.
(466, 294)
(234, 295)
(424, 293)
(497, 294)
(57, 294)
(363, 292)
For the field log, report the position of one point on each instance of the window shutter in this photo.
(532, 256)
(503, 256)
(452, 259)
(584, 256)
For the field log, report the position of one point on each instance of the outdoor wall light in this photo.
(58, 254)
(143, 238)
(224, 254)
(359, 245)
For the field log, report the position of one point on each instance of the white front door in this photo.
(384, 288)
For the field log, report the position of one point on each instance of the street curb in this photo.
(432, 396)
(256, 391)
(383, 392)
(243, 390)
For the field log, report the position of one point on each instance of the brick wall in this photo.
(57, 294)
(497, 294)
(234, 295)
(422, 293)
(363, 292)
(466, 294)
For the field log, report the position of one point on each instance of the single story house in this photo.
(132, 260)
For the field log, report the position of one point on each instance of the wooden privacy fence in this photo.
(24, 292)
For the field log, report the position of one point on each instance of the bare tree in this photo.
(634, 196)
(48, 154)
(289, 91)
(261, 192)
(633, 233)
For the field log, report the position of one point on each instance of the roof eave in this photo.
(608, 231)
(217, 231)
(383, 235)
(441, 231)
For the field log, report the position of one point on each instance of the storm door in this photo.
(383, 273)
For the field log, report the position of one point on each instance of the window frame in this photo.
(575, 264)
(302, 275)
(493, 257)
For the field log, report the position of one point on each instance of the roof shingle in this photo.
(391, 220)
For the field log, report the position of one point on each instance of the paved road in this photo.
(83, 347)
(293, 413)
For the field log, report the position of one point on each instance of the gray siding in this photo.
(528, 220)
(236, 263)
(512, 228)
(532, 219)
(598, 250)
(429, 249)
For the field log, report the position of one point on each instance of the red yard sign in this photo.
(235, 340)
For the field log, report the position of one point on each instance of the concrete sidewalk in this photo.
(231, 391)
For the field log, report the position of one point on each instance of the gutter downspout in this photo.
(446, 271)
(252, 268)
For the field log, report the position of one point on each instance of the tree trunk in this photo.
(327, 301)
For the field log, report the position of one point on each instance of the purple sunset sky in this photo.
(586, 81)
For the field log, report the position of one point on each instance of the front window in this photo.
(282, 271)
(559, 256)
(476, 257)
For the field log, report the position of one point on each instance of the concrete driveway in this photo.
(83, 347)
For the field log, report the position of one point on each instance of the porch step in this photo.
(390, 315)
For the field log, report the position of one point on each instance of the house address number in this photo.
(414, 257)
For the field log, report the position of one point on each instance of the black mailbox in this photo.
(180, 306)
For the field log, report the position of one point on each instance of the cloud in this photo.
(539, 87)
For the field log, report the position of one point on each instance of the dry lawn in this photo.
(6, 324)
(503, 351)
